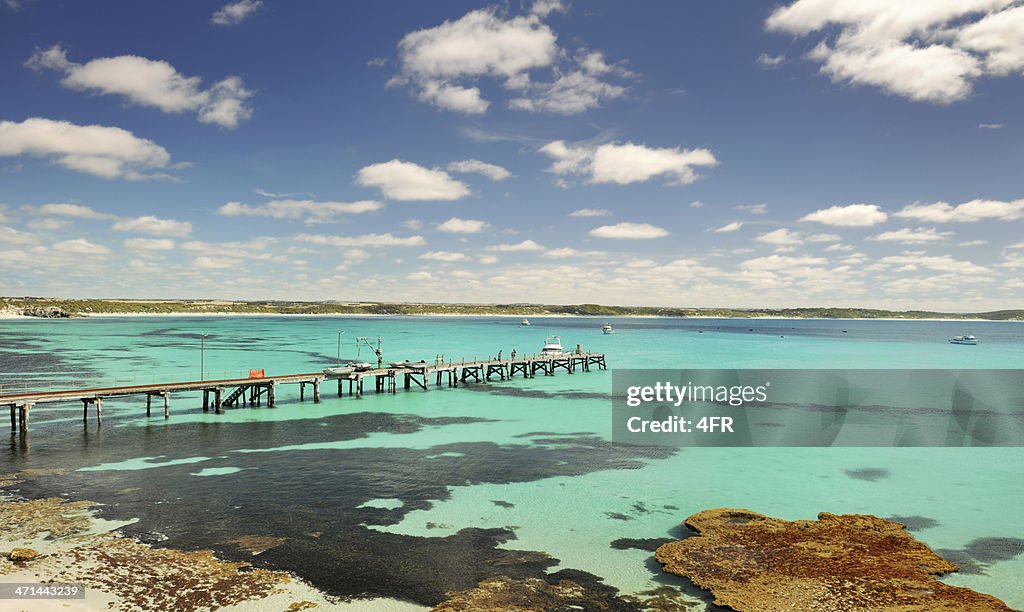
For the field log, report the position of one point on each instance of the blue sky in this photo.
(819, 153)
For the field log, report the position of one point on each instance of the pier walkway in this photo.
(236, 392)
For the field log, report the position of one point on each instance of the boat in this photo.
(338, 372)
(361, 366)
(965, 339)
(525, 323)
(407, 364)
(552, 347)
(607, 328)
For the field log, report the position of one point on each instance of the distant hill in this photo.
(62, 308)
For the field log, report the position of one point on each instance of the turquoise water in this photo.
(526, 463)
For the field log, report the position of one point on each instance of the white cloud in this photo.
(696, 204)
(941, 263)
(148, 244)
(153, 225)
(444, 256)
(754, 209)
(566, 253)
(635, 231)
(975, 210)
(443, 64)
(526, 245)
(907, 235)
(368, 240)
(771, 61)
(781, 237)
(154, 83)
(823, 238)
(542, 8)
(48, 224)
(205, 262)
(62, 209)
(456, 225)
(9, 236)
(491, 171)
(627, 163)
(401, 180)
(590, 212)
(487, 259)
(235, 13)
(81, 246)
(969, 243)
(107, 152)
(851, 215)
(309, 210)
(728, 227)
(420, 276)
(991, 126)
(782, 262)
(923, 50)
(838, 248)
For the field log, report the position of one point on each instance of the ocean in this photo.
(412, 495)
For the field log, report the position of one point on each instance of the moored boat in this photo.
(965, 339)
(607, 328)
(552, 347)
(525, 323)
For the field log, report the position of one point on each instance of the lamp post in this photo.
(202, 357)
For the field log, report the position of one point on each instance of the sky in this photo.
(698, 154)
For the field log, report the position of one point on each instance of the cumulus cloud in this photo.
(922, 50)
(153, 225)
(401, 180)
(851, 215)
(590, 212)
(146, 245)
(566, 253)
(633, 231)
(781, 237)
(446, 256)
(235, 13)
(526, 245)
(10, 236)
(153, 83)
(456, 225)
(106, 152)
(309, 211)
(444, 64)
(771, 61)
(921, 235)
(941, 263)
(62, 209)
(491, 171)
(728, 227)
(367, 240)
(81, 246)
(622, 164)
(968, 212)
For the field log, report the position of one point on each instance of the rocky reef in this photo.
(530, 594)
(839, 562)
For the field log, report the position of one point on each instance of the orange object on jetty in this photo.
(260, 373)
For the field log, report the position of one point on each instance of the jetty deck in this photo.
(253, 390)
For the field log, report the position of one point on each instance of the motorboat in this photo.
(338, 372)
(552, 347)
(407, 364)
(607, 328)
(965, 339)
(361, 366)
(525, 323)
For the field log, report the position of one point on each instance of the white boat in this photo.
(552, 347)
(607, 328)
(525, 323)
(965, 339)
(361, 366)
(338, 371)
(407, 364)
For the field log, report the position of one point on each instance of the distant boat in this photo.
(607, 328)
(552, 347)
(525, 323)
(965, 339)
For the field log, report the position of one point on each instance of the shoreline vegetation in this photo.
(56, 308)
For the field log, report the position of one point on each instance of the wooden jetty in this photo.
(237, 392)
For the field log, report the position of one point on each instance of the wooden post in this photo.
(272, 395)
(99, 410)
(217, 399)
(167, 405)
(302, 391)
(85, 410)
(206, 400)
(23, 417)
(339, 387)
(316, 391)
(149, 404)
(14, 420)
